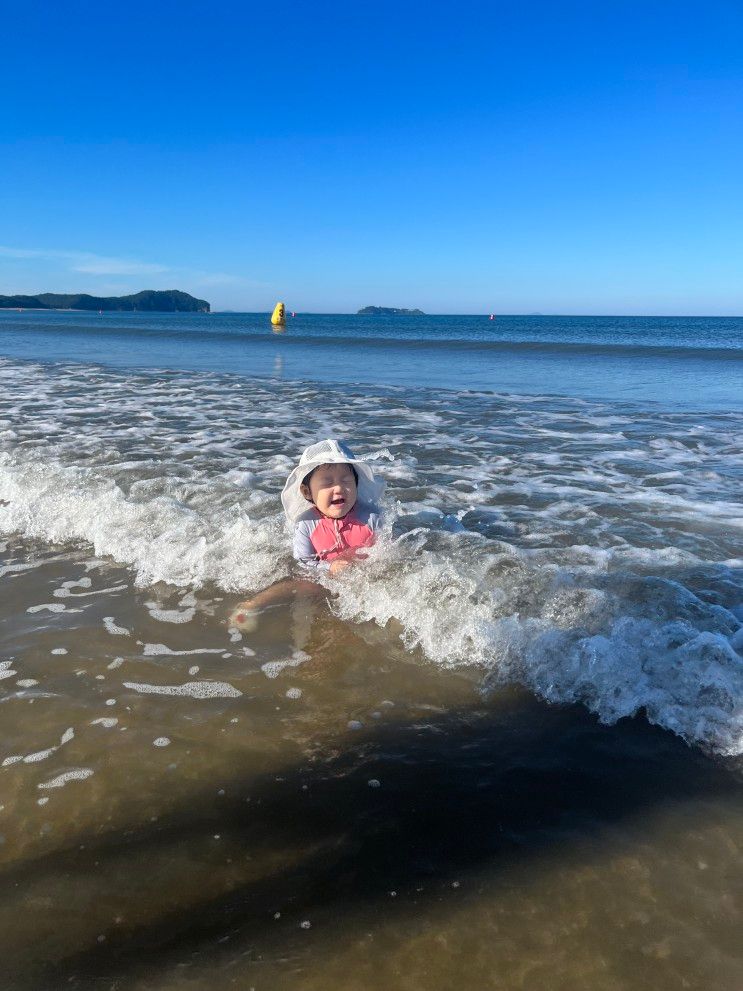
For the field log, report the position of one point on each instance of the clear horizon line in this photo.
(480, 313)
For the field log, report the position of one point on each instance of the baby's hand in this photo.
(244, 618)
(340, 564)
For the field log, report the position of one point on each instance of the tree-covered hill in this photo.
(389, 311)
(148, 301)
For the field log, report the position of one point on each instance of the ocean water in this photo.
(696, 362)
(503, 752)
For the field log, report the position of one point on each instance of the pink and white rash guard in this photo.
(318, 538)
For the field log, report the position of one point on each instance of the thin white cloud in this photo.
(117, 266)
(220, 279)
(87, 261)
(20, 253)
(90, 263)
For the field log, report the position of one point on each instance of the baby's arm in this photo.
(302, 548)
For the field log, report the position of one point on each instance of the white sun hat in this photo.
(328, 452)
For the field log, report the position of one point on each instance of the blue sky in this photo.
(461, 157)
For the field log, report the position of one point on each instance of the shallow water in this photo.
(241, 840)
(504, 753)
(507, 840)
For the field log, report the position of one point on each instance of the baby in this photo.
(331, 501)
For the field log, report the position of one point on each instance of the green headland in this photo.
(148, 301)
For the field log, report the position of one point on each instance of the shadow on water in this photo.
(478, 789)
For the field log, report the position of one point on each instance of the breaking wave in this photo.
(584, 551)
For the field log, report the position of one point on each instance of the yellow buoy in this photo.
(278, 318)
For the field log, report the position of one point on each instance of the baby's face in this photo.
(332, 488)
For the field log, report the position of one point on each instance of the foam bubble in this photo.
(170, 615)
(192, 689)
(113, 629)
(157, 649)
(39, 755)
(64, 592)
(272, 669)
(78, 774)
(84, 582)
(12, 569)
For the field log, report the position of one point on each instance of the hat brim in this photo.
(369, 489)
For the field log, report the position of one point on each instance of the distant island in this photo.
(386, 311)
(149, 301)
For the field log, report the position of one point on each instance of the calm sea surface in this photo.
(503, 753)
(694, 361)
